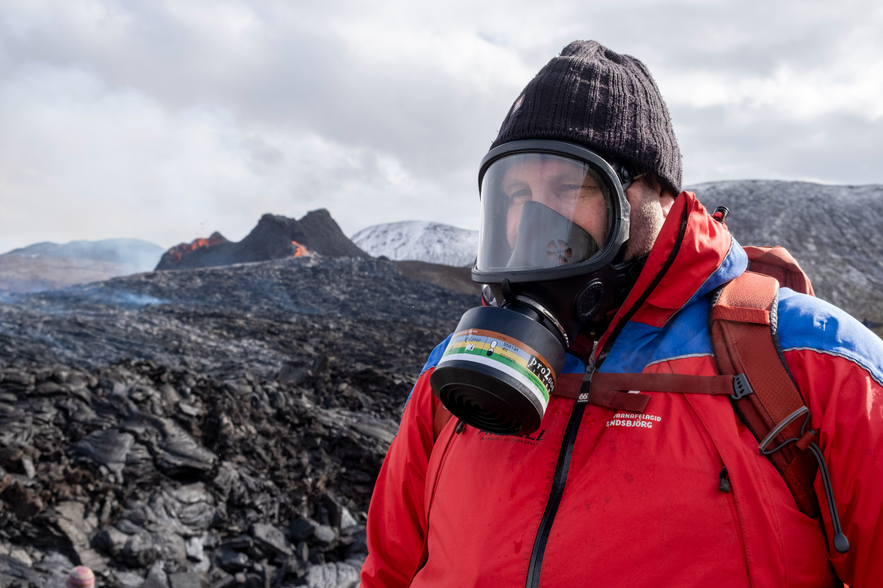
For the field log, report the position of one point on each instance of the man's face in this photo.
(562, 185)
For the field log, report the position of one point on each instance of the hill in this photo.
(833, 231)
(49, 266)
(420, 241)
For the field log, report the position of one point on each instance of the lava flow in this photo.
(299, 249)
(179, 250)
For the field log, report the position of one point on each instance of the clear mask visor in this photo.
(543, 211)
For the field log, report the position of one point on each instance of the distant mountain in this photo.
(834, 232)
(48, 266)
(274, 237)
(420, 241)
(134, 253)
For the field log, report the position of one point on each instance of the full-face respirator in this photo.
(554, 223)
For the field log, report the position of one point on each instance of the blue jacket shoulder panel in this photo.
(431, 362)
(806, 322)
(436, 354)
(640, 345)
(573, 365)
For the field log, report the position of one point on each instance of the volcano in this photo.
(274, 237)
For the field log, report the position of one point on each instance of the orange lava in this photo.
(299, 249)
(179, 250)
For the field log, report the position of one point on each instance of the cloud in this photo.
(88, 161)
(168, 120)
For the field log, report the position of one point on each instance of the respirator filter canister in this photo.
(499, 370)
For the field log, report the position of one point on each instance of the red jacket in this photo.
(604, 499)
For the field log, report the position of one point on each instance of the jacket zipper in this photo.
(566, 452)
(558, 482)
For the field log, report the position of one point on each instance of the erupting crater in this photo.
(179, 250)
(274, 237)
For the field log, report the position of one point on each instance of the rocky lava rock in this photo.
(216, 427)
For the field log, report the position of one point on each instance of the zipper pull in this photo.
(724, 483)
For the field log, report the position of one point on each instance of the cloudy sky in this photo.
(169, 119)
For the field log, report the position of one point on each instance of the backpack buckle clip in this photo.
(741, 387)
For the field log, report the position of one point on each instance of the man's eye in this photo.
(569, 191)
(589, 191)
(520, 195)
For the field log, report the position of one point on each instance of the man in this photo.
(585, 231)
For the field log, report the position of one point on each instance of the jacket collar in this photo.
(693, 255)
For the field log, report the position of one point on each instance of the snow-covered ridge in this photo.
(419, 241)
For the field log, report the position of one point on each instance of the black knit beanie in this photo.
(603, 100)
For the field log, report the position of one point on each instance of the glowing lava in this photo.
(179, 250)
(299, 249)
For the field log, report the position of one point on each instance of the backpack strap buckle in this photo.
(741, 387)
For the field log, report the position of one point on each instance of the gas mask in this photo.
(554, 223)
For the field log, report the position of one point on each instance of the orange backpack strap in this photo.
(778, 263)
(743, 331)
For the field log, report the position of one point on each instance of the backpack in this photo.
(753, 373)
